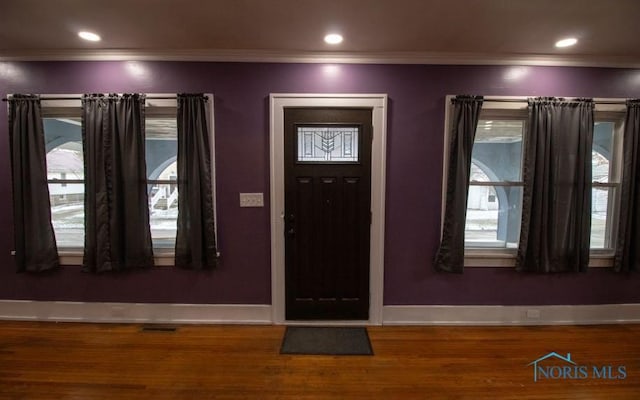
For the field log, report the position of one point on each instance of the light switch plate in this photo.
(251, 200)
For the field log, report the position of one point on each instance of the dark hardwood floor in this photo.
(104, 361)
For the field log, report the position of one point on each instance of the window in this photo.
(65, 169)
(65, 176)
(162, 178)
(605, 164)
(494, 203)
(328, 144)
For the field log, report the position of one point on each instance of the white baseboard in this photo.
(62, 311)
(512, 315)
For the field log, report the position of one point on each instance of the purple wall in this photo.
(414, 174)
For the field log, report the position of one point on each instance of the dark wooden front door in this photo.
(327, 212)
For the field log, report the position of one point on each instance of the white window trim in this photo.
(162, 257)
(498, 258)
(378, 104)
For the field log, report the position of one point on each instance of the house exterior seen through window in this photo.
(606, 182)
(162, 179)
(494, 203)
(65, 174)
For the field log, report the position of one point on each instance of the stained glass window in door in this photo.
(328, 144)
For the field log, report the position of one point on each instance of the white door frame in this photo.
(378, 104)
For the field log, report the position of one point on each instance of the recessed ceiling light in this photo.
(333, 38)
(90, 36)
(566, 42)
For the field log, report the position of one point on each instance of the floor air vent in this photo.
(158, 328)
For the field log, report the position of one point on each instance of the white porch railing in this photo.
(161, 194)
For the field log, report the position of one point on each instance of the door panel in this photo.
(327, 212)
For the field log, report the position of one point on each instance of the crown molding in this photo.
(321, 57)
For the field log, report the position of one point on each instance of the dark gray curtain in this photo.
(35, 243)
(195, 239)
(117, 233)
(466, 111)
(556, 205)
(627, 257)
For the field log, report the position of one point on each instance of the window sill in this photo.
(490, 258)
(74, 258)
(477, 258)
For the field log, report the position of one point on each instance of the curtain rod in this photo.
(498, 100)
(80, 98)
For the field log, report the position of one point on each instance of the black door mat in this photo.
(326, 341)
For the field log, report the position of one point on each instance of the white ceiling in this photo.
(429, 31)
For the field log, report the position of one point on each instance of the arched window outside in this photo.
(494, 201)
(65, 176)
(482, 209)
(163, 207)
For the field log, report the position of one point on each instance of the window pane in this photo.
(601, 151)
(161, 155)
(161, 146)
(600, 218)
(63, 141)
(497, 149)
(477, 173)
(67, 214)
(603, 159)
(163, 214)
(328, 144)
(493, 216)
